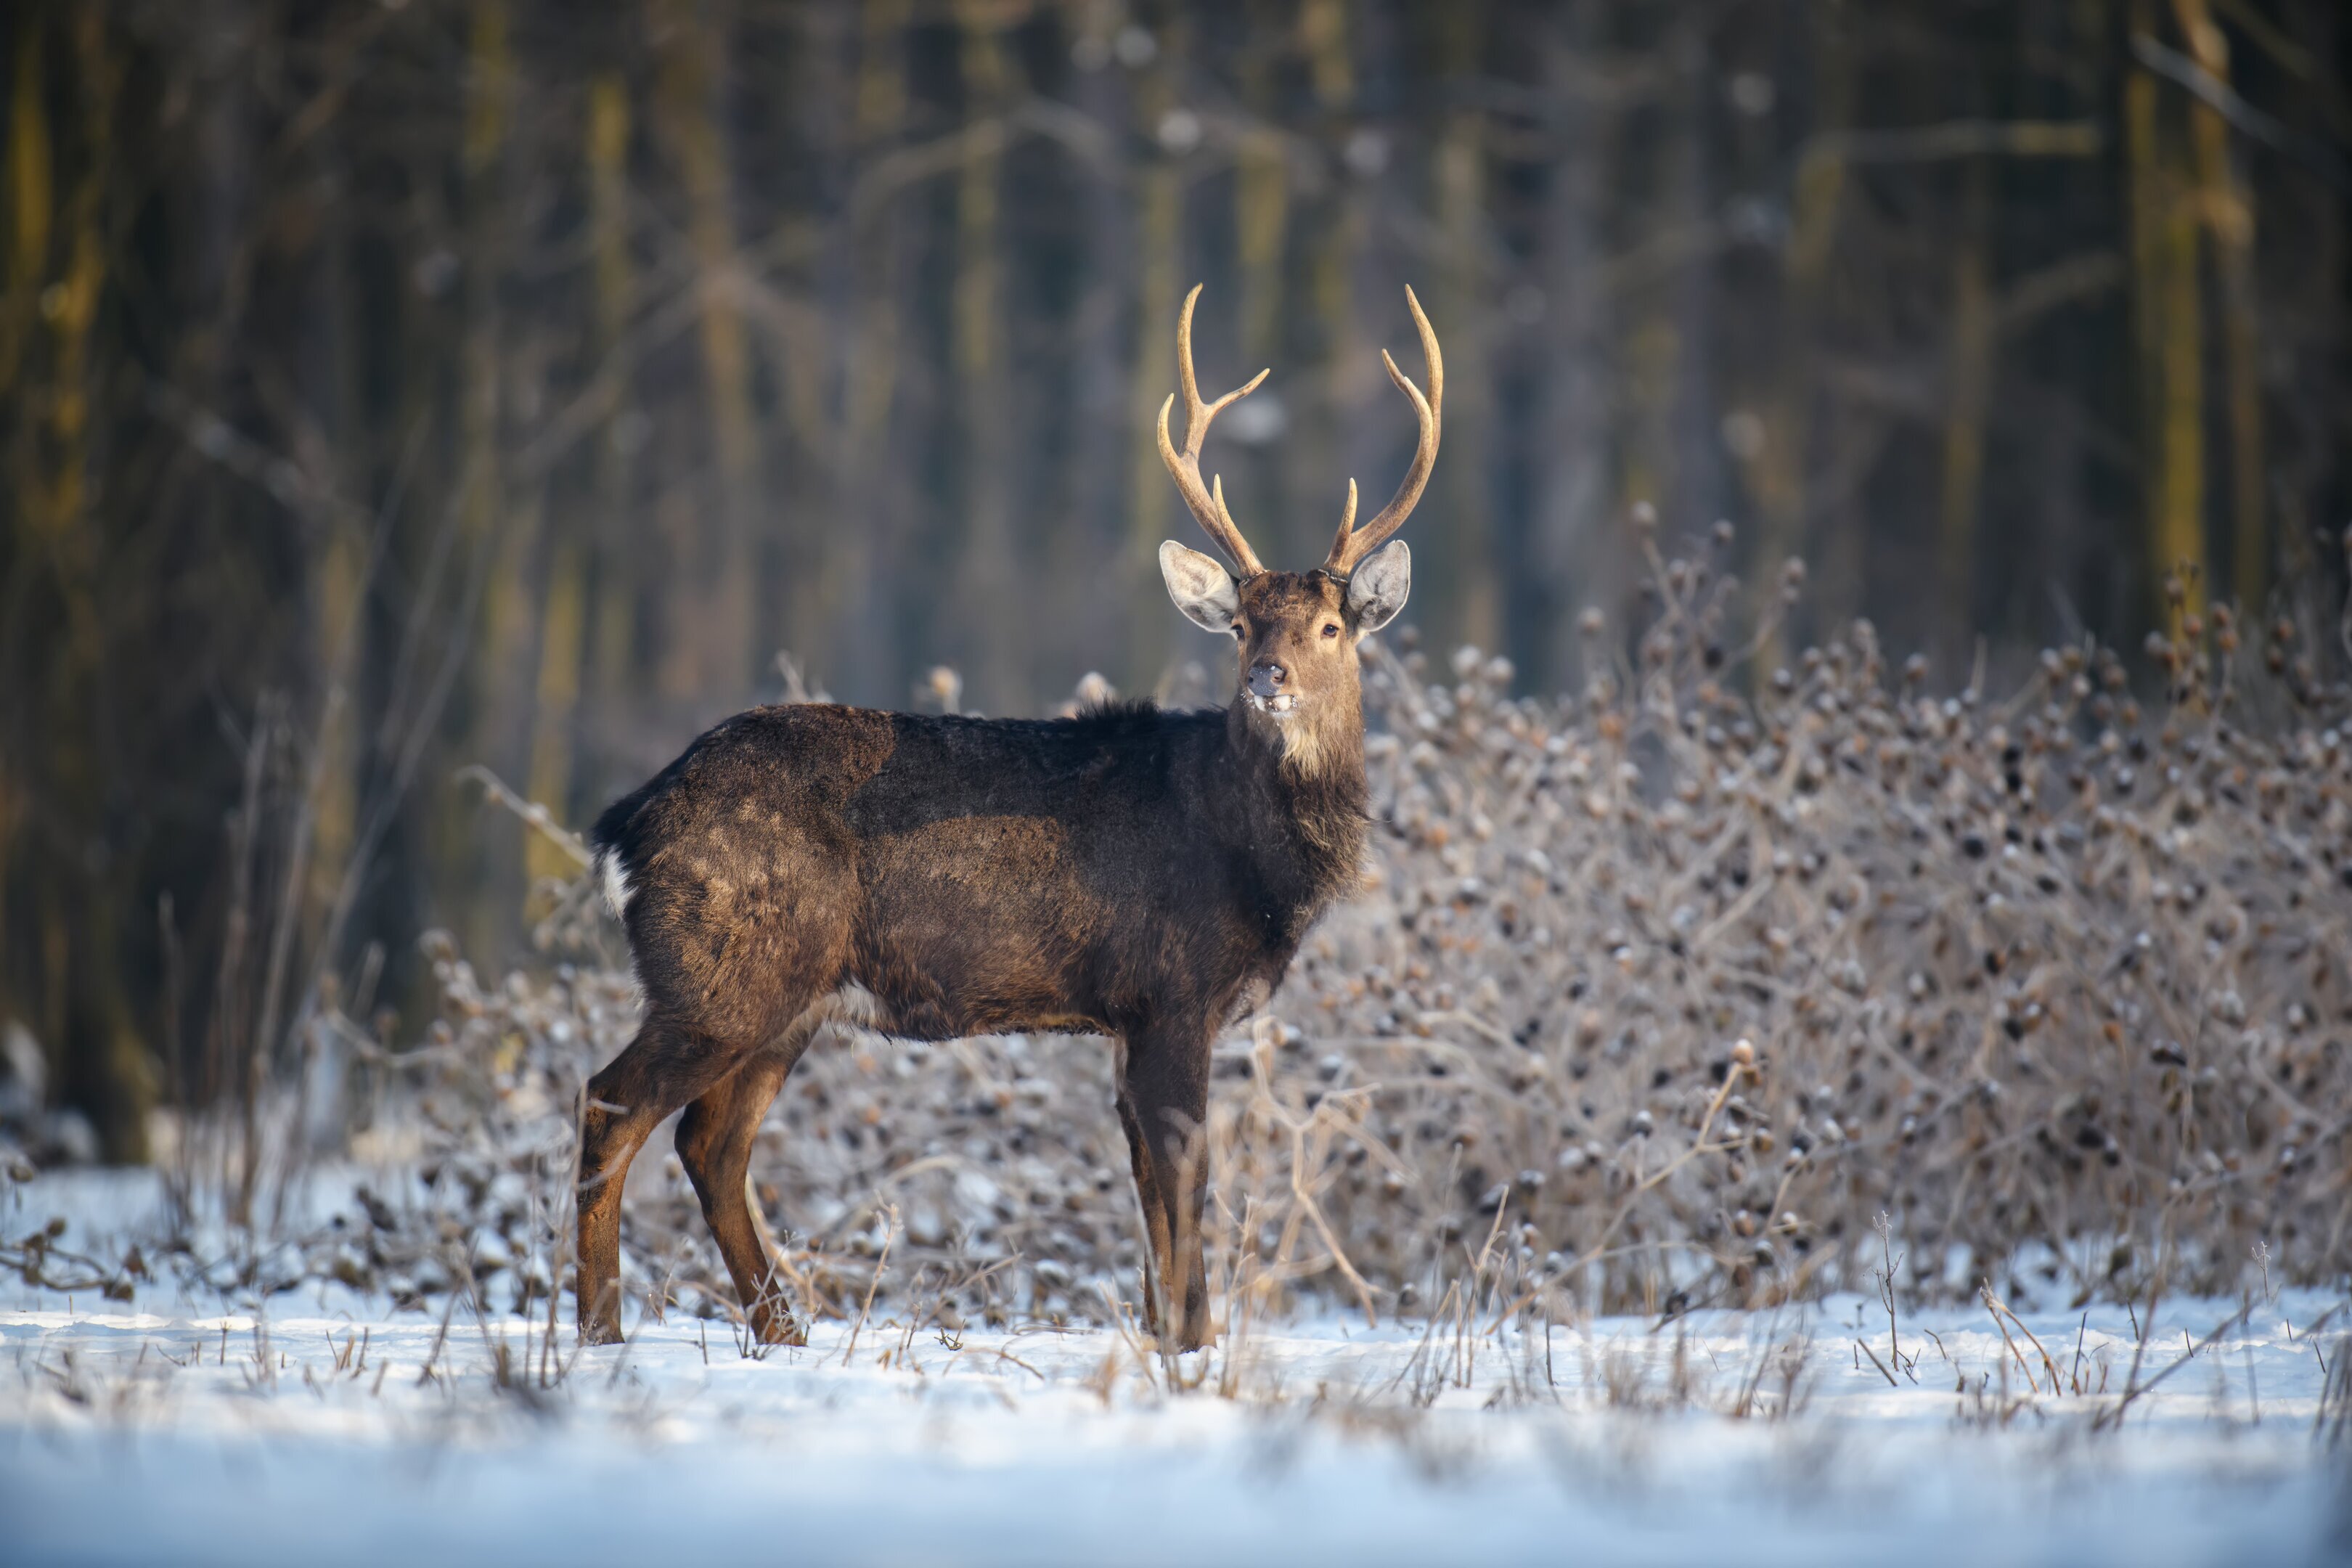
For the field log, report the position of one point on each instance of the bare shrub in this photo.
(2048, 971)
(1657, 997)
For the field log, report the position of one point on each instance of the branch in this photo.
(2217, 95)
(531, 811)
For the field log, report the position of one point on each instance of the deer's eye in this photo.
(1332, 628)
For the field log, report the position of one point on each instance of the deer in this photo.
(1135, 873)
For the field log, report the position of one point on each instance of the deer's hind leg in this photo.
(714, 1142)
(666, 1066)
(730, 1004)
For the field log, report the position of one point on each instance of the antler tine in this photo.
(1208, 506)
(1354, 543)
(1346, 526)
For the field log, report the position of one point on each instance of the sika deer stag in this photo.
(1129, 872)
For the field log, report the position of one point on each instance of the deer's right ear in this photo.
(1201, 586)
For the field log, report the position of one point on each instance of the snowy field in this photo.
(330, 1427)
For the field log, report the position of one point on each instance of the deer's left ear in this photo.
(1377, 588)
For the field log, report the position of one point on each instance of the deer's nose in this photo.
(1267, 679)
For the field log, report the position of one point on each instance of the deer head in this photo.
(1296, 633)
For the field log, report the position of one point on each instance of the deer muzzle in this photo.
(1267, 690)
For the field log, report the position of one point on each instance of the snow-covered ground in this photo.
(166, 1430)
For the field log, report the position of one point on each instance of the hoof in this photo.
(592, 1333)
(778, 1329)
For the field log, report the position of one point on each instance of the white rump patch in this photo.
(614, 878)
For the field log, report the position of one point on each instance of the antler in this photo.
(1207, 501)
(1352, 544)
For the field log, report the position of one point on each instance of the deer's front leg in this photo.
(1163, 1102)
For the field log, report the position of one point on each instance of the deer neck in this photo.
(1303, 796)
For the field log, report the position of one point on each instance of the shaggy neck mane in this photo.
(1306, 782)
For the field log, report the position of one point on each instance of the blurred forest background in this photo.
(394, 385)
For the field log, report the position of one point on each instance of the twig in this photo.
(889, 1235)
(1886, 1282)
(2113, 1414)
(1994, 1311)
(537, 815)
(2001, 1309)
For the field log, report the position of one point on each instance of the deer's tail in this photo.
(610, 843)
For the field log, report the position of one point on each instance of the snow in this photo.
(169, 1429)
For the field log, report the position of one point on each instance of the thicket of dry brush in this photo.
(1658, 995)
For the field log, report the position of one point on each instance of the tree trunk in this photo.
(1468, 601)
(691, 117)
(983, 584)
(2229, 216)
(1572, 549)
(1968, 393)
(1159, 250)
